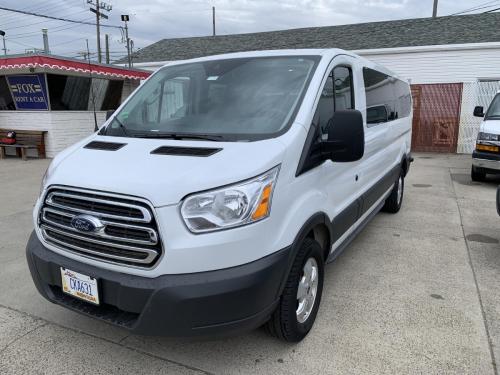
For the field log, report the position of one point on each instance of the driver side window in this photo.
(337, 94)
(326, 106)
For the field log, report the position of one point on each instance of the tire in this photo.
(285, 323)
(477, 174)
(395, 199)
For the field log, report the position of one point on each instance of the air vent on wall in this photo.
(105, 146)
(186, 151)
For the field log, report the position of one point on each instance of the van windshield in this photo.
(494, 109)
(233, 99)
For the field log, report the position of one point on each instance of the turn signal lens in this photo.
(262, 210)
(481, 147)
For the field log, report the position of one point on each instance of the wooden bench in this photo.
(25, 140)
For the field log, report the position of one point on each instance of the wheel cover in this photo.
(400, 189)
(307, 290)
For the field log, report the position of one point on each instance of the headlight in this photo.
(488, 137)
(239, 204)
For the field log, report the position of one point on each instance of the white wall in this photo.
(64, 128)
(440, 64)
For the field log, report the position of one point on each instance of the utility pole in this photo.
(98, 26)
(106, 46)
(2, 33)
(435, 9)
(213, 21)
(131, 53)
(92, 96)
(45, 35)
(125, 18)
(98, 15)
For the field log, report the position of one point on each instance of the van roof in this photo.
(326, 53)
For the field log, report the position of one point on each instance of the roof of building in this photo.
(476, 28)
(58, 64)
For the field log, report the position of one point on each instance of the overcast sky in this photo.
(152, 20)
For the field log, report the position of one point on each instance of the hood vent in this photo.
(105, 146)
(186, 151)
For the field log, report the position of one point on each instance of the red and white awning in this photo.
(69, 65)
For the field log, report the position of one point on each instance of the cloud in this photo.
(152, 20)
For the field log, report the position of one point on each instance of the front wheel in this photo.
(395, 199)
(296, 312)
(477, 174)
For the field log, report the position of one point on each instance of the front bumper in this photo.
(200, 304)
(487, 161)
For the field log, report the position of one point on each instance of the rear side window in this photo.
(387, 98)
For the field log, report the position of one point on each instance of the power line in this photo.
(37, 23)
(477, 7)
(492, 10)
(56, 18)
(66, 42)
(9, 18)
(55, 29)
(21, 44)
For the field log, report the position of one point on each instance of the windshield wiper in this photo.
(208, 137)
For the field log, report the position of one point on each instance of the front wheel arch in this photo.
(318, 225)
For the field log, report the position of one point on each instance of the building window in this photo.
(113, 97)
(71, 93)
(6, 101)
(68, 93)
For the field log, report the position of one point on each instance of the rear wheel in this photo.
(299, 303)
(395, 199)
(477, 174)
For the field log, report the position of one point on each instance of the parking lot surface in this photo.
(416, 292)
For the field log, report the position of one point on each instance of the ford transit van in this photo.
(486, 156)
(211, 200)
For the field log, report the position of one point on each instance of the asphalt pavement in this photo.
(416, 292)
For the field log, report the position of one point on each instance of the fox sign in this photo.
(29, 91)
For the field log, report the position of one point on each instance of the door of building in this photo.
(436, 117)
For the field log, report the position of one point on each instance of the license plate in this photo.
(80, 286)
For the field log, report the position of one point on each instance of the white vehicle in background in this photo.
(211, 200)
(486, 156)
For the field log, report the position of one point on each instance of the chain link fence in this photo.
(473, 94)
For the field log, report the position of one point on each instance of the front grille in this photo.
(128, 234)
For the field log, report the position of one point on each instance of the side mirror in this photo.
(479, 111)
(346, 137)
(109, 114)
(498, 200)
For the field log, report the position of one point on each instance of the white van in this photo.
(486, 156)
(211, 200)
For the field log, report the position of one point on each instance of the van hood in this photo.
(490, 126)
(162, 179)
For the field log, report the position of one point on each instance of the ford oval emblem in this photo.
(86, 223)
